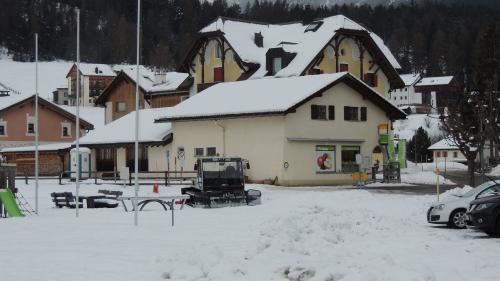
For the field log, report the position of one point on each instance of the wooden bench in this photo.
(65, 199)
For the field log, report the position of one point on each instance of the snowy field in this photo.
(296, 234)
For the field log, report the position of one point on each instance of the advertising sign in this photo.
(325, 158)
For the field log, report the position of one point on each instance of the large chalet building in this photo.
(232, 50)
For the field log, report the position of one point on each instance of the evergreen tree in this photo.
(418, 147)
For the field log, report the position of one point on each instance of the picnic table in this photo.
(167, 202)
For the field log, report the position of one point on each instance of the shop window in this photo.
(198, 152)
(325, 159)
(351, 113)
(218, 74)
(318, 112)
(349, 153)
(211, 151)
(344, 67)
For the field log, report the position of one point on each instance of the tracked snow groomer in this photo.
(220, 183)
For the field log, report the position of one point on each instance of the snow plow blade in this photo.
(200, 199)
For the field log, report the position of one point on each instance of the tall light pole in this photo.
(77, 129)
(136, 150)
(36, 123)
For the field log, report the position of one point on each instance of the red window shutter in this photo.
(218, 74)
(344, 67)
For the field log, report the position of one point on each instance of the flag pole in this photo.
(36, 124)
(136, 150)
(77, 129)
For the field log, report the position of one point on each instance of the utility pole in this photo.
(36, 124)
(136, 164)
(77, 129)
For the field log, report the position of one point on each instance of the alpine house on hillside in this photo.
(232, 50)
(308, 130)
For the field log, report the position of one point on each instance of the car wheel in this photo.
(457, 219)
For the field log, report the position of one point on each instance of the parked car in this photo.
(452, 211)
(484, 214)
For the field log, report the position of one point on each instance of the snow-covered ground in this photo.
(405, 129)
(425, 173)
(296, 234)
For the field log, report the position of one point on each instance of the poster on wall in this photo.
(325, 158)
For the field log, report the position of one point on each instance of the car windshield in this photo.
(477, 189)
(222, 170)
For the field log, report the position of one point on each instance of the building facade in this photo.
(94, 78)
(234, 50)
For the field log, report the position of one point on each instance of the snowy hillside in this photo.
(20, 76)
(405, 129)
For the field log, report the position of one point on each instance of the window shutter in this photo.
(346, 113)
(314, 112)
(374, 80)
(218, 74)
(331, 112)
(363, 114)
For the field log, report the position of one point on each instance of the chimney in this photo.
(259, 40)
(96, 70)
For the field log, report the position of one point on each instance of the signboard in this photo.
(325, 158)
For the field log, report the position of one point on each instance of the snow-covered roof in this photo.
(258, 96)
(306, 45)
(122, 130)
(94, 115)
(410, 79)
(169, 81)
(96, 69)
(3, 88)
(444, 144)
(434, 81)
(41, 147)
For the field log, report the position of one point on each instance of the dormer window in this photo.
(277, 64)
(313, 26)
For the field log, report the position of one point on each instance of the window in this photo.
(438, 154)
(349, 153)
(211, 151)
(121, 106)
(2, 130)
(445, 154)
(198, 152)
(218, 51)
(494, 190)
(370, 79)
(30, 125)
(455, 154)
(351, 113)
(331, 112)
(315, 71)
(343, 67)
(313, 26)
(66, 129)
(318, 112)
(363, 114)
(218, 77)
(325, 159)
(277, 64)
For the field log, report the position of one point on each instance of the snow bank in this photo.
(405, 129)
(424, 173)
(495, 172)
(457, 191)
